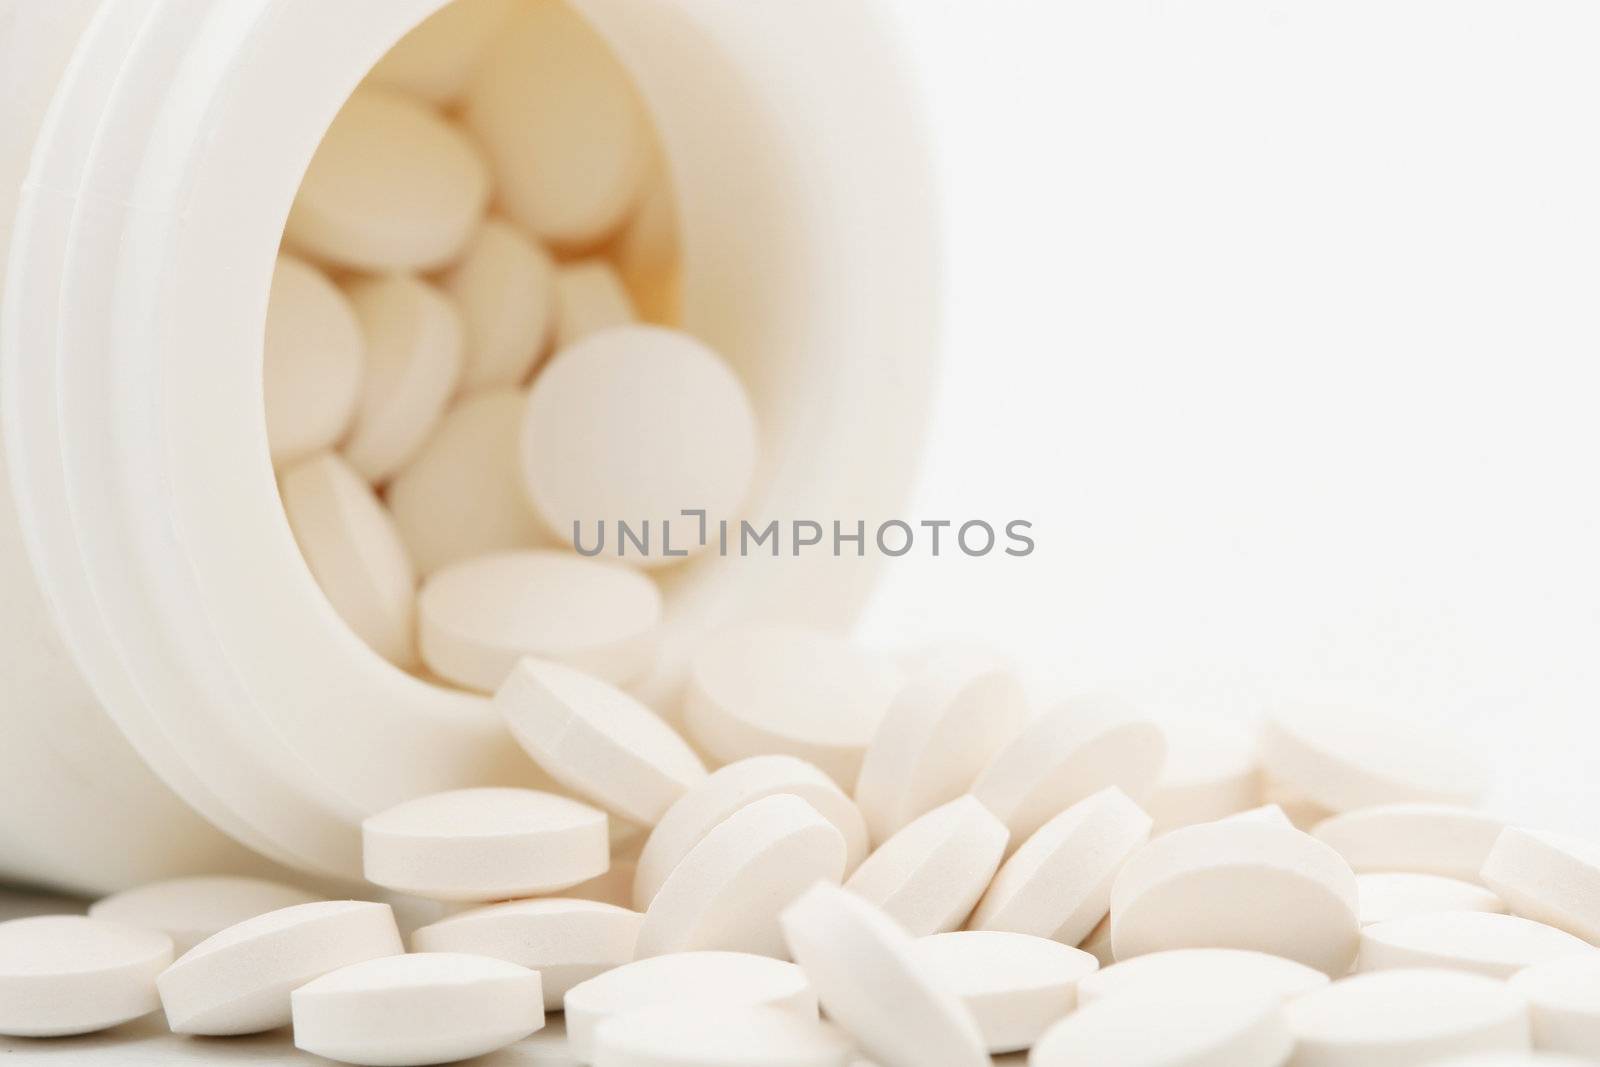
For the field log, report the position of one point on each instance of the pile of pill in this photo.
(817, 854)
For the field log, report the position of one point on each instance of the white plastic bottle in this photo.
(167, 664)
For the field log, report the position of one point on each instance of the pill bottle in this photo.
(178, 695)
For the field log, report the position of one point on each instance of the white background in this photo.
(1281, 321)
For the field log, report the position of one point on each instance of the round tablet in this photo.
(562, 125)
(421, 1008)
(1343, 759)
(480, 616)
(436, 60)
(589, 297)
(869, 978)
(727, 892)
(504, 286)
(1236, 884)
(1082, 746)
(731, 788)
(1198, 1028)
(635, 425)
(1547, 877)
(392, 187)
(312, 362)
(930, 875)
(940, 731)
(484, 844)
(189, 910)
(1485, 942)
(1058, 884)
(777, 688)
(597, 740)
(1396, 896)
(461, 494)
(238, 981)
(1015, 985)
(1211, 771)
(1182, 971)
(353, 550)
(1564, 996)
(1403, 1017)
(67, 974)
(717, 981)
(1442, 839)
(713, 1037)
(566, 940)
(414, 347)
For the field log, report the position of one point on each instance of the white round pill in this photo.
(352, 548)
(1443, 839)
(1211, 771)
(727, 892)
(1015, 985)
(479, 616)
(1058, 884)
(589, 297)
(392, 187)
(721, 1037)
(67, 974)
(1397, 895)
(770, 688)
(461, 495)
(312, 362)
(421, 1008)
(238, 981)
(1551, 878)
(930, 875)
(1198, 1028)
(1080, 747)
(566, 940)
(686, 981)
(869, 979)
(1182, 971)
(1485, 942)
(1405, 1017)
(189, 910)
(1564, 996)
(940, 731)
(436, 60)
(414, 343)
(635, 425)
(597, 740)
(730, 788)
(504, 286)
(484, 844)
(562, 125)
(1238, 884)
(1345, 758)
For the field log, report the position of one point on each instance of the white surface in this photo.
(1288, 365)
